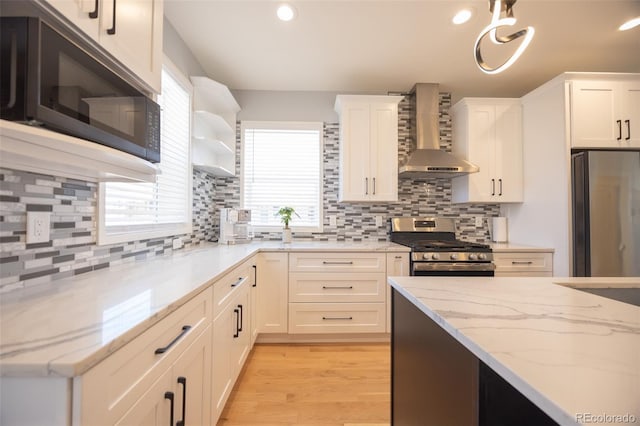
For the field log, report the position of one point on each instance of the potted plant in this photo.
(286, 216)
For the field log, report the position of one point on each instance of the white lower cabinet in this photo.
(397, 266)
(337, 293)
(231, 332)
(272, 277)
(523, 264)
(182, 394)
(129, 386)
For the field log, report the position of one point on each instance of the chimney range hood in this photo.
(428, 160)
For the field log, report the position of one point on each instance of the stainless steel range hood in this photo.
(428, 160)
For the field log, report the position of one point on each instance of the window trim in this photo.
(145, 232)
(286, 125)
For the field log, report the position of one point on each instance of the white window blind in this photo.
(130, 211)
(282, 166)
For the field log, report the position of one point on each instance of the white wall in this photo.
(544, 218)
(179, 53)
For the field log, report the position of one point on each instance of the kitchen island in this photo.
(521, 351)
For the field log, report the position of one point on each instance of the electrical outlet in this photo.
(333, 221)
(177, 243)
(378, 221)
(478, 221)
(38, 227)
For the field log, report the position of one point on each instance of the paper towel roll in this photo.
(499, 229)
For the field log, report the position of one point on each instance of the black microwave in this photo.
(48, 80)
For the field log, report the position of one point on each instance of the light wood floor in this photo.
(329, 384)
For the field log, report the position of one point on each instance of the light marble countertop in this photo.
(568, 351)
(517, 248)
(67, 326)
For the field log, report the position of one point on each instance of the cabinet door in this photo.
(630, 95)
(383, 152)
(397, 266)
(224, 328)
(508, 173)
(481, 151)
(137, 41)
(192, 382)
(594, 115)
(273, 284)
(355, 128)
(154, 407)
(78, 12)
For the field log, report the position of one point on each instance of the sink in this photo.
(626, 295)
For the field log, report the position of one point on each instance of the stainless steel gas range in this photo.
(435, 251)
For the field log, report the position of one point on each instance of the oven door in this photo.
(453, 269)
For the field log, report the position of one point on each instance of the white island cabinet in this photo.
(368, 147)
(488, 132)
(129, 30)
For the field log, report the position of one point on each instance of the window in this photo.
(282, 166)
(133, 211)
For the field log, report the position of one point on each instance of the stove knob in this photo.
(453, 256)
(481, 256)
(435, 256)
(472, 256)
(425, 256)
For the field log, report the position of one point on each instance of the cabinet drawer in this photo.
(227, 286)
(336, 318)
(336, 287)
(337, 262)
(523, 262)
(112, 387)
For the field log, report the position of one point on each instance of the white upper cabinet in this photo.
(214, 127)
(605, 114)
(488, 133)
(368, 147)
(129, 30)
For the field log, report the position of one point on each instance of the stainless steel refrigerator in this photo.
(606, 213)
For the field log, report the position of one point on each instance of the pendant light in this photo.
(497, 22)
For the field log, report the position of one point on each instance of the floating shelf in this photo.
(214, 170)
(39, 150)
(214, 127)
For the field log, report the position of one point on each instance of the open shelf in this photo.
(214, 127)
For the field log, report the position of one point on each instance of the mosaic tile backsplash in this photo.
(72, 249)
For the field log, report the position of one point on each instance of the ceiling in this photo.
(388, 45)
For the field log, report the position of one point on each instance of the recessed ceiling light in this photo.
(286, 12)
(461, 17)
(631, 23)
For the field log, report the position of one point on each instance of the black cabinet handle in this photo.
(13, 71)
(183, 382)
(237, 283)
(241, 320)
(184, 331)
(619, 122)
(366, 186)
(374, 186)
(493, 187)
(628, 123)
(112, 30)
(255, 275)
(169, 396)
(336, 318)
(500, 186)
(236, 334)
(94, 13)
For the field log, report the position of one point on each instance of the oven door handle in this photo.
(453, 266)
